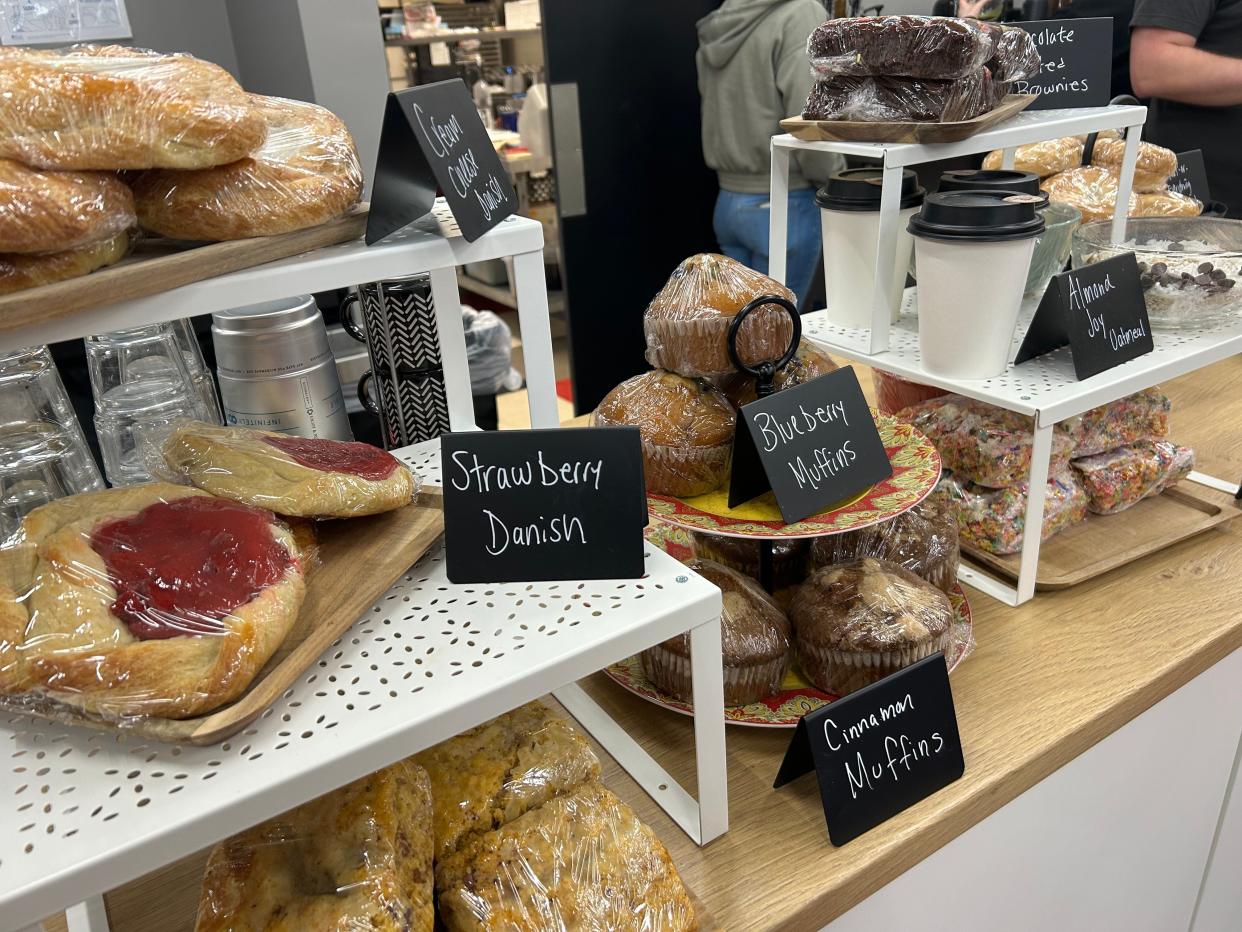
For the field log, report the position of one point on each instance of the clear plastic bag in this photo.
(1119, 478)
(490, 775)
(1049, 157)
(300, 477)
(112, 108)
(1093, 190)
(1152, 170)
(809, 363)
(686, 427)
(687, 322)
(755, 643)
(938, 47)
(742, 554)
(882, 99)
(19, 271)
(358, 858)
(1141, 416)
(489, 352)
(151, 600)
(305, 173)
(857, 622)
(582, 862)
(43, 212)
(983, 444)
(893, 393)
(995, 519)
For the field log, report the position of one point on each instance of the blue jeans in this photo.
(741, 224)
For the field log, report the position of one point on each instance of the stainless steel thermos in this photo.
(276, 371)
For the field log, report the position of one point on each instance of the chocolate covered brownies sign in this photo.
(1075, 63)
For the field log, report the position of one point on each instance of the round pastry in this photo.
(809, 362)
(687, 322)
(754, 643)
(19, 271)
(54, 211)
(742, 554)
(1152, 170)
(1041, 158)
(112, 108)
(300, 477)
(1165, 204)
(686, 427)
(855, 623)
(155, 600)
(1093, 190)
(305, 174)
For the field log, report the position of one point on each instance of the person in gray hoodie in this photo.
(753, 72)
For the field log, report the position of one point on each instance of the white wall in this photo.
(200, 27)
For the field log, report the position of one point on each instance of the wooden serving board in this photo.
(854, 131)
(358, 560)
(158, 265)
(1105, 542)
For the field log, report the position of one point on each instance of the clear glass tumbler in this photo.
(134, 419)
(125, 357)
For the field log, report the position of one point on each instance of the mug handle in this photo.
(364, 396)
(352, 327)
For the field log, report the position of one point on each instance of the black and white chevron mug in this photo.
(405, 385)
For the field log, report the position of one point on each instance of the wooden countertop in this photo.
(1046, 682)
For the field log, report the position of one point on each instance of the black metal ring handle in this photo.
(764, 372)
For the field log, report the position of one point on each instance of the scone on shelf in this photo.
(46, 211)
(19, 271)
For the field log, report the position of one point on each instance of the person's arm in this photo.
(1165, 63)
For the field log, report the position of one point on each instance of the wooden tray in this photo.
(849, 131)
(157, 265)
(1105, 542)
(359, 559)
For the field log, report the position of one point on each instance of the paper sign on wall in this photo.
(30, 22)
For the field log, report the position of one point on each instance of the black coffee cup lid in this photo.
(980, 216)
(859, 189)
(1007, 179)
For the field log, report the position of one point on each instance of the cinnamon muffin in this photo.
(742, 554)
(855, 623)
(809, 363)
(686, 427)
(687, 322)
(754, 642)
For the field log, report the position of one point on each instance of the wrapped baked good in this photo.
(742, 554)
(981, 443)
(304, 174)
(301, 477)
(994, 519)
(1164, 204)
(923, 540)
(937, 47)
(1041, 158)
(110, 108)
(809, 363)
(882, 99)
(19, 271)
(152, 600)
(754, 643)
(687, 322)
(686, 427)
(356, 858)
(1119, 478)
(1141, 416)
(490, 775)
(1014, 56)
(1152, 169)
(1093, 190)
(583, 862)
(893, 393)
(855, 623)
(44, 212)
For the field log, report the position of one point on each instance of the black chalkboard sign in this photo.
(1077, 57)
(879, 750)
(813, 445)
(432, 137)
(1191, 176)
(567, 503)
(1098, 309)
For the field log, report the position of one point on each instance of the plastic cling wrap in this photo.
(1041, 158)
(1119, 478)
(306, 173)
(152, 600)
(490, 775)
(741, 554)
(1141, 416)
(687, 322)
(994, 519)
(53, 211)
(295, 476)
(112, 108)
(1015, 56)
(808, 363)
(1093, 190)
(900, 99)
(984, 444)
(19, 271)
(893, 393)
(686, 427)
(754, 637)
(938, 47)
(582, 862)
(358, 858)
(1152, 170)
(855, 623)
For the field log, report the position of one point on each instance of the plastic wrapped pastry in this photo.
(44, 211)
(893, 393)
(1119, 478)
(305, 174)
(583, 862)
(1041, 158)
(357, 858)
(902, 100)
(687, 322)
(19, 271)
(994, 519)
(923, 540)
(296, 476)
(1152, 170)
(983, 444)
(855, 623)
(686, 426)
(1093, 190)
(490, 775)
(809, 363)
(742, 554)
(111, 108)
(754, 637)
(1141, 416)
(1014, 56)
(938, 47)
(153, 600)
